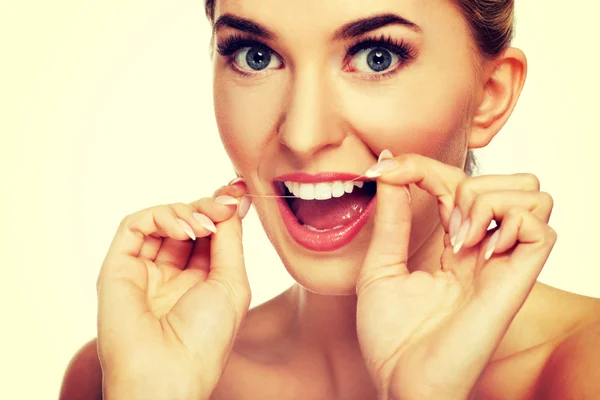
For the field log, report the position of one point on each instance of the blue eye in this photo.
(376, 59)
(380, 56)
(256, 58)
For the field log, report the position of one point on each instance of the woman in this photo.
(362, 115)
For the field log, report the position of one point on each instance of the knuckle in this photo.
(167, 209)
(515, 212)
(202, 205)
(547, 200)
(465, 192)
(129, 222)
(531, 180)
(480, 205)
(551, 235)
(175, 207)
(409, 161)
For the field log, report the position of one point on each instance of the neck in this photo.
(328, 323)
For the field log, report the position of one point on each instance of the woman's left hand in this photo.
(430, 335)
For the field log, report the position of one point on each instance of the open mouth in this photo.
(324, 212)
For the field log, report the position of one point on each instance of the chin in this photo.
(332, 272)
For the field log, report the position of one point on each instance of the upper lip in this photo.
(303, 177)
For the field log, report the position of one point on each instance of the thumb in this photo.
(387, 254)
(227, 254)
(204, 311)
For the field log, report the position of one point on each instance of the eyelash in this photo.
(228, 47)
(405, 52)
(402, 49)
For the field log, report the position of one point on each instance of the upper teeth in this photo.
(322, 190)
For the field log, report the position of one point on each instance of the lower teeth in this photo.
(312, 228)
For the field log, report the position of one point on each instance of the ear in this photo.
(499, 97)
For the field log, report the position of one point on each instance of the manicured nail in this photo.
(385, 155)
(491, 246)
(378, 169)
(244, 206)
(455, 219)
(227, 200)
(462, 235)
(205, 222)
(236, 180)
(188, 229)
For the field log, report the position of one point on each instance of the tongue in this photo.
(327, 214)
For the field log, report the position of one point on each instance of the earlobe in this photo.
(499, 97)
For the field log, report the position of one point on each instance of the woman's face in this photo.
(306, 91)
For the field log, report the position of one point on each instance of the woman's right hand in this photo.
(169, 307)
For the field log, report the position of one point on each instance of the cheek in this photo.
(246, 117)
(411, 116)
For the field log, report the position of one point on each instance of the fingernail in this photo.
(244, 206)
(408, 193)
(491, 246)
(462, 235)
(205, 222)
(236, 180)
(455, 219)
(188, 229)
(227, 200)
(378, 169)
(385, 155)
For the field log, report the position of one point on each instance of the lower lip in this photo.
(323, 241)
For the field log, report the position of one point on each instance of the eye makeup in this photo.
(401, 48)
(405, 52)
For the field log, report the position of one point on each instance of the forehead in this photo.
(327, 15)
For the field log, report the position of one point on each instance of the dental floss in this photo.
(269, 196)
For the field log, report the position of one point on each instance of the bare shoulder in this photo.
(573, 369)
(553, 329)
(83, 378)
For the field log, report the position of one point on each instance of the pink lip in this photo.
(322, 241)
(302, 177)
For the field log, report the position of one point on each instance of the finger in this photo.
(175, 252)
(150, 247)
(159, 221)
(533, 238)
(470, 187)
(227, 273)
(236, 188)
(493, 206)
(212, 212)
(436, 178)
(227, 256)
(387, 254)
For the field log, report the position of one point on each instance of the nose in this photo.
(311, 122)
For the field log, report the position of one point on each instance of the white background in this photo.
(106, 108)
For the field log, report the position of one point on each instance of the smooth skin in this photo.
(169, 306)
(466, 305)
(418, 331)
(411, 320)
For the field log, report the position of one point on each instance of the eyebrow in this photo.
(348, 31)
(244, 25)
(365, 25)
